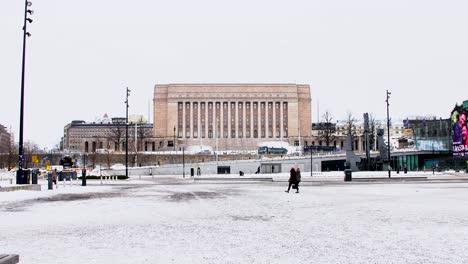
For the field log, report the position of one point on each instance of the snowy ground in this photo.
(237, 223)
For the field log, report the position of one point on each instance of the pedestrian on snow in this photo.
(54, 176)
(292, 178)
(298, 178)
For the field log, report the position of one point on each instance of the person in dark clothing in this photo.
(292, 178)
(258, 170)
(54, 177)
(298, 178)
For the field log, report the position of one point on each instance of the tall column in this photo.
(229, 119)
(184, 112)
(221, 114)
(273, 119)
(251, 120)
(259, 119)
(206, 119)
(236, 118)
(281, 120)
(244, 121)
(267, 113)
(191, 119)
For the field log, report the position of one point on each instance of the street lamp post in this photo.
(27, 20)
(388, 135)
(126, 133)
(174, 140)
(83, 173)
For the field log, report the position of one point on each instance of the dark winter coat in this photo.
(292, 176)
(298, 176)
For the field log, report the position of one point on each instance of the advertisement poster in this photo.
(460, 130)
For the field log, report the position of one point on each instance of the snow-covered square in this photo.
(232, 222)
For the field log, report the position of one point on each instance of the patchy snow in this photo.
(139, 222)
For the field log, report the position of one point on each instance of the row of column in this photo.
(227, 119)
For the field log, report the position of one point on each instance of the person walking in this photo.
(54, 177)
(292, 178)
(298, 179)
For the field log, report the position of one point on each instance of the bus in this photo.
(267, 150)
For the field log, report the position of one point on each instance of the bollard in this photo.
(49, 181)
(83, 177)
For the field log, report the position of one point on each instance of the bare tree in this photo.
(373, 125)
(12, 155)
(350, 123)
(30, 148)
(143, 133)
(327, 128)
(117, 135)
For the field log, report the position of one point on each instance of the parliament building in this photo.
(231, 116)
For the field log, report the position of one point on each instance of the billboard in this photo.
(460, 130)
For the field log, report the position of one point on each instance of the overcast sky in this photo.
(83, 54)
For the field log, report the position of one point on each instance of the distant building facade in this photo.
(232, 116)
(5, 140)
(107, 134)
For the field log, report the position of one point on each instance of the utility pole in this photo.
(388, 135)
(19, 173)
(126, 133)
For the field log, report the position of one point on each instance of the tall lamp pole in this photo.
(25, 34)
(126, 133)
(388, 135)
(174, 140)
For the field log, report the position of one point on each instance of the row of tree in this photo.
(327, 128)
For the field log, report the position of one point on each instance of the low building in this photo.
(5, 140)
(107, 134)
